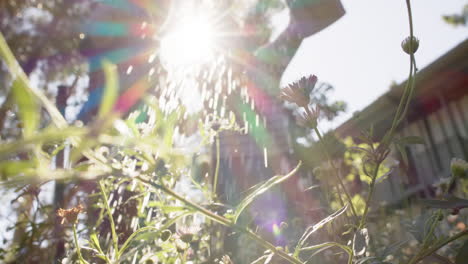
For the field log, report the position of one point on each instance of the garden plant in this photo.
(136, 190)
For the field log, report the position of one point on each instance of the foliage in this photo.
(129, 198)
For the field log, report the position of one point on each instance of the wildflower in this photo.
(69, 215)
(309, 118)
(299, 92)
(458, 167)
(410, 45)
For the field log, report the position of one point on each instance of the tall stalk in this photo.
(115, 238)
(77, 246)
(399, 117)
(216, 174)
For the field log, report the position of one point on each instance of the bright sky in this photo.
(360, 55)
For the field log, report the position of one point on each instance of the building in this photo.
(438, 114)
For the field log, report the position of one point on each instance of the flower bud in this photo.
(410, 45)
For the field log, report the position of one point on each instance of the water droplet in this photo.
(151, 58)
(129, 69)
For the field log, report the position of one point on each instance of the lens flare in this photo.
(189, 44)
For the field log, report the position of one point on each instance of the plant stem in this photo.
(224, 221)
(78, 250)
(215, 180)
(362, 223)
(409, 87)
(115, 238)
(335, 170)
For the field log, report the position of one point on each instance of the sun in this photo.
(189, 43)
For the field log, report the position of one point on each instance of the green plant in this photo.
(157, 223)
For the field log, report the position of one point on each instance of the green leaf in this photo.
(48, 135)
(27, 107)
(411, 140)
(111, 89)
(310, 230)
(449, 202)
(95, 242)
(462, 255)
(19, 75)
(13, 168)
(262, 188)
(360, 242)
(326, 245)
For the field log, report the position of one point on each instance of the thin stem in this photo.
(215, 180)
(335, 170)
(362, 223)
(115, 238)
(224, 221)
(78, 250)
(409, 88)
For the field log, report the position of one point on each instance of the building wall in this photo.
(445, 133)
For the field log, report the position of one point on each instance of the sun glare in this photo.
(188, 44)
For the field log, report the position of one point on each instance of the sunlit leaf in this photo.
(310, 230)
(111, 89)
(51, 135)
(27, 107)
(13, 168)
(262, 188)
(360, 242)
(20, 76)
(325, 246)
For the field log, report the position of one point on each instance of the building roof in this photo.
(446, 77)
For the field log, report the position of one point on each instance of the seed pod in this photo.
(410, 45)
